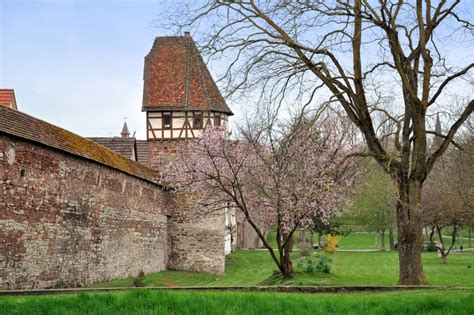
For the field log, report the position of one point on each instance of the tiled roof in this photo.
(176, 77)
(18, 124)
(123, 146)
(7, 97)
(142, 151)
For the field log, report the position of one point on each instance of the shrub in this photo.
(309, 266)
(324, 263)
(332, 242)
(138, 281)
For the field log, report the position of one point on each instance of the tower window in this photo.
(217, 119)
(197, 120)
(167, 120)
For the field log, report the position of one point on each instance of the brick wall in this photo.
(67, 220)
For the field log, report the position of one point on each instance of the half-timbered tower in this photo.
(180, 97)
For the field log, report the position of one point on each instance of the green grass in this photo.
(362, 240)
(152, 302)
(254, 267)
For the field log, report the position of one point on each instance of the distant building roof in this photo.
(21, 125)
(7, 98)
(176, 78)
(123, 146)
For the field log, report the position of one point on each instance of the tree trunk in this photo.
(442, 258)
(410, 233)
(391, 238)
(432, 244)
(303, 236)
(382, 240)
(286, 265)
(311, 238)
(319, 240)
(469, 235)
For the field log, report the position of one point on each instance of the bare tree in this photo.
(347, 50)
(447, 199)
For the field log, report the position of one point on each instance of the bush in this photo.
(138, 281)
(324, 263)
(309, 266)
(316, 263)
(332, 242)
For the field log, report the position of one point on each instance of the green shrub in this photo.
(309, 266)
(138, 281)
(324, 263)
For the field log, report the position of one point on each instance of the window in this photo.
(217, 119)
(166, 120)
(197, 120)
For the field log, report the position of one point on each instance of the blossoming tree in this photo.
(277, 176)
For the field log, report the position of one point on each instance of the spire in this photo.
(437, 139)
(125, 133)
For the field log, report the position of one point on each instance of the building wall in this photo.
(179, 129)
(196, 242)
(69, 221)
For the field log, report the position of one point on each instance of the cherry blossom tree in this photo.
(278, 175)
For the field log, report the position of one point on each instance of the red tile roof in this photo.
(176, 78)
(20, 125)
(7, 97)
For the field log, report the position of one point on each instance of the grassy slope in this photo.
(254, 267)
(146, 302)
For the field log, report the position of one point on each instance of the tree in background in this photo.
(354, 53)
(373, 206)
(278, 175)
(448, 197)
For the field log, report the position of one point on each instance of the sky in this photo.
(78, 64)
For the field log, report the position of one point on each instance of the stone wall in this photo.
(69, 221)
(196, 242)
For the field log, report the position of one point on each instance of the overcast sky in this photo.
(78, 64)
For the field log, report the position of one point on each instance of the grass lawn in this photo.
(457, 302)
(362, 240)
(254, 267)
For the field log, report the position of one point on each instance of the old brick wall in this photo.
(67, 220)
(195, 242)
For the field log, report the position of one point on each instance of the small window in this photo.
(217, 119)
(197, 120)
(166, 120)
